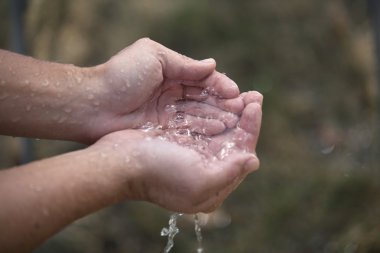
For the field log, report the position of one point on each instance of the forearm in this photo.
(46, 100)
(41, 198)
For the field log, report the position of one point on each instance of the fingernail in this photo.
(208, 61)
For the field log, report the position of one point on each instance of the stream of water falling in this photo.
(172, 230)
(198, 233)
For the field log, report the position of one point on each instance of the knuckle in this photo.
(146, 42)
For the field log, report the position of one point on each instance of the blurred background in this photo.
(318, 189)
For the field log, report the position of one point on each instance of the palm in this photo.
(188, 172)
(145, 85)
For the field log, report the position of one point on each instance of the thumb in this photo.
(180, 67)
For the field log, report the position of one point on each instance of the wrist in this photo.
(91, 95)
(121, 161)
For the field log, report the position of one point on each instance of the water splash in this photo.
(226, 149)
(171, 231)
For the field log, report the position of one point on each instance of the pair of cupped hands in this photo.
(184, 129)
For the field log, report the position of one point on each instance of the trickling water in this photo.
(198, 233)
(171, 231)
(181, 136)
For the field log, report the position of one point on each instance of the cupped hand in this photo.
(145, 84)
(185, 171)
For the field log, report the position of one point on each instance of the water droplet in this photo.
(170, 108)
(328, 150)
(90, 96)
(115, 145)
(68, 109)
(3, 96)
(27, 82)
(45, 83)
(122, 70)
(180, 117)
(185, 132)
(62, 119)
(45, 211)
(204, 93)
(148, 126)
(96, 103)
(127, 159)
(28, 108)
(16, 119)
(78, 79)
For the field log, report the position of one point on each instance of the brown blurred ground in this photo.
(318, 189)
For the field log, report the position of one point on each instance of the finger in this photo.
(204, 110)
(199, 125)
(180, 67)
(235, 105)
(252, 97)
(217, 84)
(195, 93)
(250, 121)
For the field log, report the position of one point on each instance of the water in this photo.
(198, 233)
(172, 230)
(204, 93)
(199, 144)
(226, 149)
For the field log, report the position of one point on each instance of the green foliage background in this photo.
(318, 188)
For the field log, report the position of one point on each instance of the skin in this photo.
(174, 156)
(83, 104)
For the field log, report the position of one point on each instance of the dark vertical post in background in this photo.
(17, 43)
(374, 13)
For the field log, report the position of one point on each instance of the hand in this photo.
(143, 84)
(184, 171)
